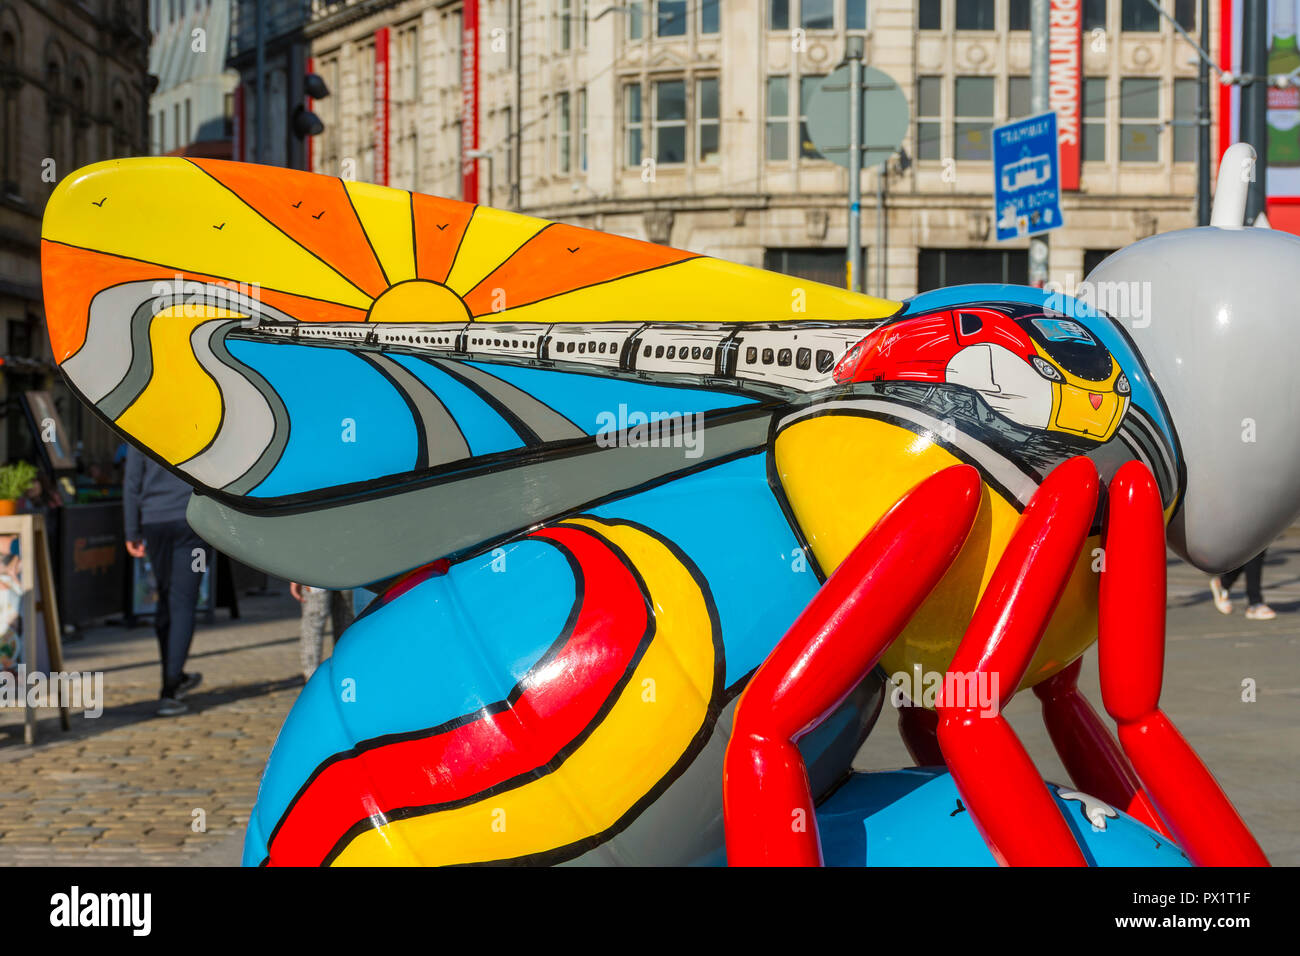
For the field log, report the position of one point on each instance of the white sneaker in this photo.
(1260, 612)
(1220, 593)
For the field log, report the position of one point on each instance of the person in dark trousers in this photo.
(1256, 609)
(154, 501)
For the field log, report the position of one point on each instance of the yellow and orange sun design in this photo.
(323, 249)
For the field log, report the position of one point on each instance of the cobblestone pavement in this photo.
(124, 788)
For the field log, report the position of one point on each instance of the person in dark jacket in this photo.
(154, 501)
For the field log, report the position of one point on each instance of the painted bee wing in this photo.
(328, 360)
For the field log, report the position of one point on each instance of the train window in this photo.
(825, 360)
(751, 355)
(646, 353)
(672, 351)
(582, 348)
(601, 348)
(514, 343)
(784, 358)
(659, 351)
(768, 356)
(708, 353)
(969, 323)
(803, 360)
(695, 352)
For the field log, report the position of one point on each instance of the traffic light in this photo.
(306, 123)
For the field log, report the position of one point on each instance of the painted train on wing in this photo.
(1035, 368)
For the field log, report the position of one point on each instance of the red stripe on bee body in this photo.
(561, 697)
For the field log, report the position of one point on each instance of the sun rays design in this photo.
(322, 249)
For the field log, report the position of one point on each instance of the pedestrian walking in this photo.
(319, 606)
(1256, 609)
(154, 502)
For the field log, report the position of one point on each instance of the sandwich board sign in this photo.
(1027, 177)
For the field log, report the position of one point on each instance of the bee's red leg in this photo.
(1131, 656)
(1088, 750)
(1007, 798)
(919, 728)
(828, 650)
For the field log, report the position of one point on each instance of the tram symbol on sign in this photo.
(1030, 171)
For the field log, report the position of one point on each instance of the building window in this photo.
(817, 265)
(582, 129)
(583, 22)
(1018, 15)
(778, 14)
(1139, 113)
(189, 126)
(855, 14)
(1093, 130)
(670, 18)
(1185, 14)
(710, 16)
(1095, 257)
(973, 120)
(807, 87)
(1094, 14)
(707, 119)
(565, 25)
(564, 134)
(636, 20)
(975, 15)
(1020, 90)
(929, 15)
(778, 117)
(817, 14)
(1138, 16)
(1185, 121)
(939, 268)
(670, 122)
(928, 127)
(634, 122)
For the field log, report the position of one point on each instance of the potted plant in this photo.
(15, 479)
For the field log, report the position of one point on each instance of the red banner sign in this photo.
(469, 101)
(1065, 84)
(381, 106)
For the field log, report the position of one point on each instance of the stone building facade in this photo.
(192, 111)
(681, 121)
(74, 90)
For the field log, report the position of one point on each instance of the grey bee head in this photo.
(1217, 327)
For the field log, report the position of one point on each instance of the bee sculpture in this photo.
(648, 529)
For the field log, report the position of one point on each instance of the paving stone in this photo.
(120, 789)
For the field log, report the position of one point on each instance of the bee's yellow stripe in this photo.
(645, 733)
(178, 412)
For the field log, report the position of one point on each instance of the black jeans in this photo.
(1254, 569)
(174, 552)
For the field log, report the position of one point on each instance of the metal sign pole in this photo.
(1039, 53)
(854, 265)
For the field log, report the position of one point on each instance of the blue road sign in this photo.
(1026, 177)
